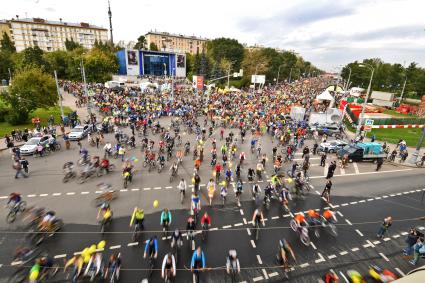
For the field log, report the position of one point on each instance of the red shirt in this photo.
(206, 219)
(217, 167)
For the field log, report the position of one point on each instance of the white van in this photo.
(112, 84)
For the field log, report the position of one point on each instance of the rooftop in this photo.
(57, 23)
(176, 35)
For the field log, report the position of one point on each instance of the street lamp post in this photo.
(83, 72)
(348, 81)
(290, 74)
(278, 73)
(415, 154)
(59, 94)
(402, 91)
(360, 121)
(165, 69)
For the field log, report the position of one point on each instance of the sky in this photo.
(327, 33)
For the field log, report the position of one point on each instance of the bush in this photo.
(17, 118)
(4, 111)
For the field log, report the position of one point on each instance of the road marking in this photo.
(157, 188)
(244, 220)
(421, 227)
(56, 194)
(399, 271)
(313, 246)
(44, 195)
(227, 226)
(404, 233)
(387, 239)
(392, 195)
(419, 190)
(259, 259)
(384, 196)
(405, 193)
(348, 222)
(324, 171)
(354, 249)
(356, 168)
(98, 192)
(136, 189)
(343, 276)
(168, 187)
(361, 173)
(265, 274)
(146, 189)
(376, 242)
(84, 193)
(4, 197)
(331, 256)
(384, 257)
(273, 274)
(115, 247)
(396, 236)
(343, 253)
(70, 193)
(241, 211)
(378, 197)
(123, 190)
(275, 217)
(132, 244)
(344, 204)
(361, 201)
(372, 245)
(248, 231)
(60, 256)
(304, 265)
(369, 199)
(290, 213)
(317, 192)
(13, 263)
(214, 229)
(238, 224)
(321, 258)
(353, 202)
(253, 244)
(336, 206)
(399, 194)
(286, 215)
(360, 233)
(257, 278)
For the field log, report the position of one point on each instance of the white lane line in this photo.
(384, 196)
(115, 247)
(313, 246)
(362, 201)
(259, 278)
(70, 193)
(360, 233)
(56, 194)
(386, 239)
(157, 188)
(392, 195)
(399, 271)
(60, 256)
(98, 192)
(321, 258)
(44, 195)
(265, 274)
(238, 224)
(132, 244)
(4, 197)
(348, 222)
(362, 173)
(168, 187)
(259, 259)
(317, 192)
(344, 204)
(421, 227)
(336, 206)
(227, 226)
(241, 211)
(384, 257)
(353, 202)
(13, 263)
(331, 256)
(273, 274)
(146, 189)
(370, 243)
(369, 199)
(84, 193)
(343, 276)
(286, 215)
(354, 249)
(136, 189)
(340, 214)
(275, 217)
(396, 236)
(404, 233)
(248, 231)
(378, 197)
(399, 194)
(419, 190)
(376, 242)
(343, 253)
(123, 190)
(304, 265)
(253, 244)
(214, 229)
(244, 220)
(356, 168)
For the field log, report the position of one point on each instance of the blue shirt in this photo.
(196, 258)
(155, 246)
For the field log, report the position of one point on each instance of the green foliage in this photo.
(6, 62)
(58, 60)
(141, 42)
(153, 47)
(99, 65)
(17, 118)
(71, 45)
(31, 88)
(31, 57)
(226, 48)
(6, 44)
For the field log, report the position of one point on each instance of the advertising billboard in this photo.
(181, 65)
(198, 82)
(132, 62)
(258, 79)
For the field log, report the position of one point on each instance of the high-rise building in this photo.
(176, 42)
(51, 35)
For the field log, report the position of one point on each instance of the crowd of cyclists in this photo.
(133, 118)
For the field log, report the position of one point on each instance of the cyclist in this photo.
(238, 171)
(211, 190)
(161, 160)
(232, 262)
(190, 227)
(151, 247)
(228, 174)
(105, 211)
(35, 272)
(329, 216)
(168, 265)
(182, 186)
(14, 200)
(259, 170)
(223, 191)
(127, 168)
(250, 174)
(165, 218)
(258, 217)
(330, 277)
(285, 251)
(46, 263)
(137, 218)
(300, 220)
(174, 168)
(195, 203)
(256, 191)
(217, 169)
(313, 217)
(114, 264)
(46, 222)
(198, 260)
(176, 238)
(206, 221)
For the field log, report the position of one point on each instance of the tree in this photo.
(71, 44)
(31, 57)
(31, 89)
(6, 63)
(100, 65)
(141, 42)
(153, 47)
(58, 61)
(254, 62)
(226, 48)
(6, 44)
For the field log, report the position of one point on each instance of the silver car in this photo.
(331, 146)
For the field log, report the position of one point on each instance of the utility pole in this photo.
(348, 81)
(85, 88)
(290, 74)
(110, 21)
(415, 154)
(360, 120)
(278, 73)
(59, 94)
(10, 75)
(402, 91)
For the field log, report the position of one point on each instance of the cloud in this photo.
(50, 9)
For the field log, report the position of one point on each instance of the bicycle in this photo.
(137, 231)
(204, 231)
(420, 164)
(105, 197)
(256, 229)
(182, 193)
(332, 227)
(165, 228)
(301, 231)
(151, 264)
(17, 208)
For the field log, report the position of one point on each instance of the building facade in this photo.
(144, 62)
(4, 28)
(51, 35)
(176, 42)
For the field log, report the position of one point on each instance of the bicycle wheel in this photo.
(181, 196)
(257, 231)
(293, 225)
(11, 216)
(334, 232)
(305, 239)
(18, 276)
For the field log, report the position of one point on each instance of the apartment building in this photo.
(51, 35)
(176, 42)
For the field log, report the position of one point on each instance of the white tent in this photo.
(326, 96)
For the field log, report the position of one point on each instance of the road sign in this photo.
(369, 122)
(367, 128)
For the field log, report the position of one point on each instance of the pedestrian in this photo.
(80, 146)
(315, 146)
(404, 154)
(411, 240)
(331, 170)
(121, 152)
(67, 142)
(327, 190)
(384, 227)
(24, 164)
(379, 163)
(18, 167)
(372, 139)
(97, 140)
(419, 249)
(323, 159)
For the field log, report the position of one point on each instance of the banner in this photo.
(198, 82)
(258, 79)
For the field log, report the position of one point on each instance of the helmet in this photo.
(105, 205)
(233, 253)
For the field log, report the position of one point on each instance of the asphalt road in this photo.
(361, 196)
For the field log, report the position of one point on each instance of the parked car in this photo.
(79, 132)
(332, 146)
(31, 145)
